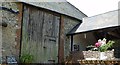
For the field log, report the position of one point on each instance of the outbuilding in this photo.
(39, 29)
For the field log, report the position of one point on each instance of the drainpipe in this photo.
(71, 42)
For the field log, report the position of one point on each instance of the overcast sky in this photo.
(95, 7)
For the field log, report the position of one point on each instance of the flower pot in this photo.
(102, 56)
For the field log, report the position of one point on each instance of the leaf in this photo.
(106, 46)
(26, 58)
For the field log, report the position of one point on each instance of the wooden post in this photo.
(61, 41)
(71, 42)
(19, 24)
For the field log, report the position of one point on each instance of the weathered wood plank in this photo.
(39, 37)
(18, 32)
(24, 44)
(40, 34)
(61, 41)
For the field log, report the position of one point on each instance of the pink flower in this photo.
(97, 44)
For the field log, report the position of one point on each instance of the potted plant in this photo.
(103, 46)
(26, 58)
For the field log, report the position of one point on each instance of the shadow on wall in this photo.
(84, 40)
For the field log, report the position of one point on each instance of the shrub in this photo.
(26, 58)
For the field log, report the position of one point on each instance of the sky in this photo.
(95, 7)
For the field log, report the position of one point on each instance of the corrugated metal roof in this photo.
(62, 7)
(105, 20)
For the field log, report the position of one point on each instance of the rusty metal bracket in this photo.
(9, 9)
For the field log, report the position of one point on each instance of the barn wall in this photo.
(40, 34)
(9, 37)
(69, 24)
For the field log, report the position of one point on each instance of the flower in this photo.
(98, 44)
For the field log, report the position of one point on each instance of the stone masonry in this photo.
(9, 44)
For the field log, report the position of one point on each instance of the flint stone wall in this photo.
(9, 44)
(96, 54)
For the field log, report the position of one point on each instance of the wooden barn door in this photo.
(40, 33)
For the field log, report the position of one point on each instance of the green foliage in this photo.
(106, 46)
(90, 47)
(26, 58)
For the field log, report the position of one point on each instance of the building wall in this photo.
(84, 40)
(9, 44)
(69, 24)
(40, 34)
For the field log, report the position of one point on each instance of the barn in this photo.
(39, 29)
